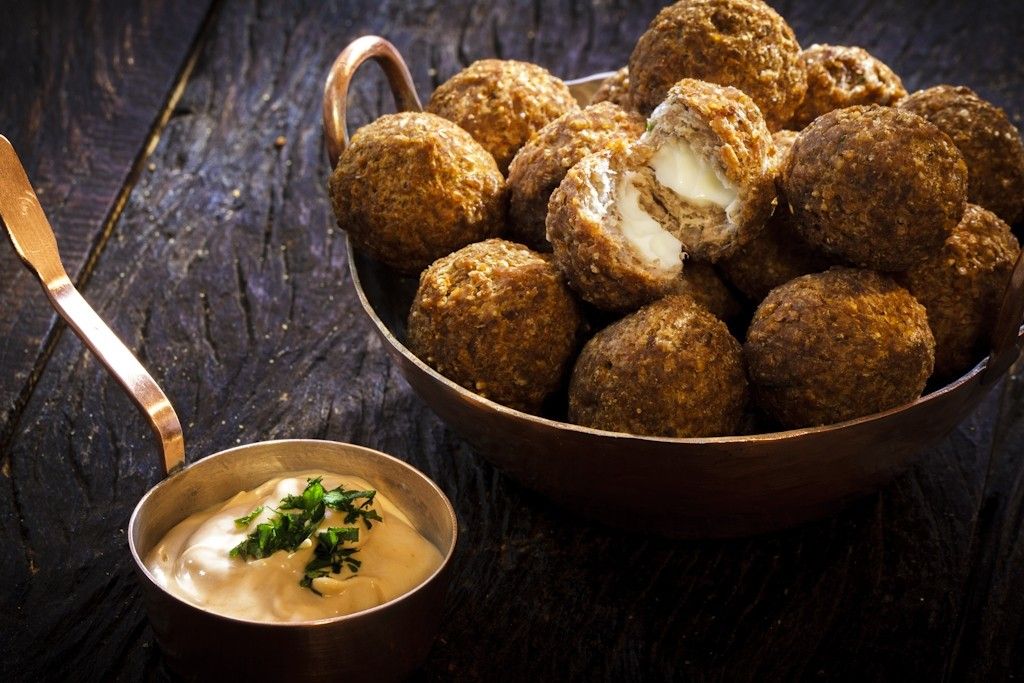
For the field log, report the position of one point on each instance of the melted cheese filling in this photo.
(192, 561)
(655, 245)
(677, 167)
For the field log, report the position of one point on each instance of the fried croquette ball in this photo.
(702, 283)
(541, 164)
(839, 76)
(698, 181)
(412, 187)
(614, 89)
(742, 43)
(874, 186)
(669, 369)
(962, 286)
(837, 345)
(502, 103)
(777, 254)
(990, 144)
(498, 319)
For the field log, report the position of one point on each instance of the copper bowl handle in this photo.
(33, 239)
(340, 77)
(1005, 336)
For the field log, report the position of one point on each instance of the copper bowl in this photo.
(684, 488)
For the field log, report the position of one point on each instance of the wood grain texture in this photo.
(226, 274)
(83, 85)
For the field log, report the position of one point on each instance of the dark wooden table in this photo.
(151, 130)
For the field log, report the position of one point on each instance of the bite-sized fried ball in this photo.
(498, 319)
(962, 286)
(502, 103)
(837, 345)
(875, 186)
(701, 282)
(698, 181)
(412, 187)
(615, 89)
(777, 254)
(839, 76)
(742, 43)
(991, 145)
(541, 164)
(669, 369)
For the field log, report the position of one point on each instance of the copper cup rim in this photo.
(411, 471)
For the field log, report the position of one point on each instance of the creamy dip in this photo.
(192, 561)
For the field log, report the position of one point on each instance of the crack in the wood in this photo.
(204, 301)
(243, 297)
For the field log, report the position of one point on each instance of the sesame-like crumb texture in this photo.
(502, 103)
(839, 76)
(703, 284)
(412, 187)
(990, 143)
(596, 261)
(615, 89)
(498, 319)
(723, 126)
(541, 164)
(962, 286)
(669, 369)
(742, 43)
(874, 186)
(837, 345)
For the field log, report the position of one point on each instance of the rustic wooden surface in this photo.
(224, 272)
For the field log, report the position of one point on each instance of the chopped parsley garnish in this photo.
(295, 520)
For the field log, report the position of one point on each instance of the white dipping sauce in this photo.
(192, 561)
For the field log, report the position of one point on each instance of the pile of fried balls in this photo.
(617, 250)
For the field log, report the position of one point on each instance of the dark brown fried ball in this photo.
(498, 319)
(413, 187)
(962, 286)
(837, 345)
(669, 369)
(502, 103)
(742, 43)
(991, 145)
(875, 186)
(615, 89)
(839, 76)
(702, 282)
(541, 164)
(777, 254)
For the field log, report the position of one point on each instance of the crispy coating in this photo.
(777, 254)
(837, 345)
(502, 103)
(991, 145)
(702, 282)
(596, 259)
(669, 369)
(498, 319)
(541, 164)
(742, 43)
(839, 76)
(412, 187)
(962, 286)
(615, 89)
(875, 186)
(725, 128)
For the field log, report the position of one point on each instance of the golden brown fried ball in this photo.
(541, 164)
(702, 283)
(615, 89)
(962, 286)
(669, 369)
(742, 43)
(875, 186)
(498, 319)
(837, 345)
(991, 145)
(839, 76)
(412, 187)
(502, 103)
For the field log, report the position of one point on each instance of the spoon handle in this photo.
(33, 239)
